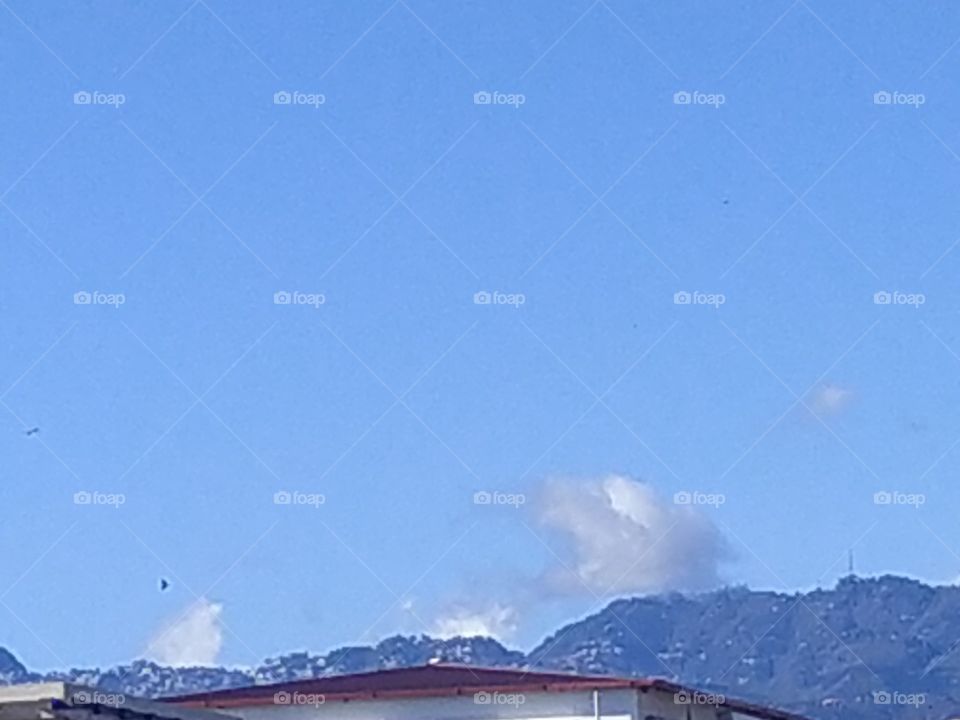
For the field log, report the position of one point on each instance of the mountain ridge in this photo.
(878, 648)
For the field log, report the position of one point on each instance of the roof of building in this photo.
(443, 679)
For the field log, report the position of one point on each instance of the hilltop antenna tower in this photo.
(850, 562)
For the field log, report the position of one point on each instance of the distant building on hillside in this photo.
(65, 701)
(464, 692)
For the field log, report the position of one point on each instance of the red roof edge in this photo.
(537, 681)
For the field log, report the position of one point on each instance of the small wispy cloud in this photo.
(828, 400)
(193, 638)
(495, 620)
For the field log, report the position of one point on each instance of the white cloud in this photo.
(829, 399)
(194, 638)
(622, 538)
(496, 620)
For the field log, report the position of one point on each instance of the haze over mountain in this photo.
(831, 654)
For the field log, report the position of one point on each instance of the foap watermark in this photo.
(97, 697)
(684, 297)
(296, 97)
(895, 297)
(896, 497)
(298, 698)
(695, 497)
(499, 698)
(284, 297)
(82, 297)
(892, 697)
(95, 497)
(95, 97)
(695, 97)
(886, 97)
(296, 497)
(695, 697)
(495, 97)
(485, 297)
(485, 497)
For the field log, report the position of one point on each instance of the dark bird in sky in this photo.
(32, 431)
(164, 584)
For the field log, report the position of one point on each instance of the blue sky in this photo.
(182, 198)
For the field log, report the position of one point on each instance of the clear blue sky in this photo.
(597, 199)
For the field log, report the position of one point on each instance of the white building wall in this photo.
(664, 706)
(614, 705)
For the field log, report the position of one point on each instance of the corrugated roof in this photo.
(440, 679)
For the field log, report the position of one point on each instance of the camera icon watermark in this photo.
(83, 297)
(895, 297)
(696, 497)
(97, 697)
(499, 698)
(695, 697)
(896, 497)
(299, 698)
(295, 297)
(485, 297)
(296, 97)
(495, 97)
(695, 97)
(892, 697)
(887, 97)
(95, 497)
(296, 497)
(495, 497)
(95, 97)
(685, 297)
